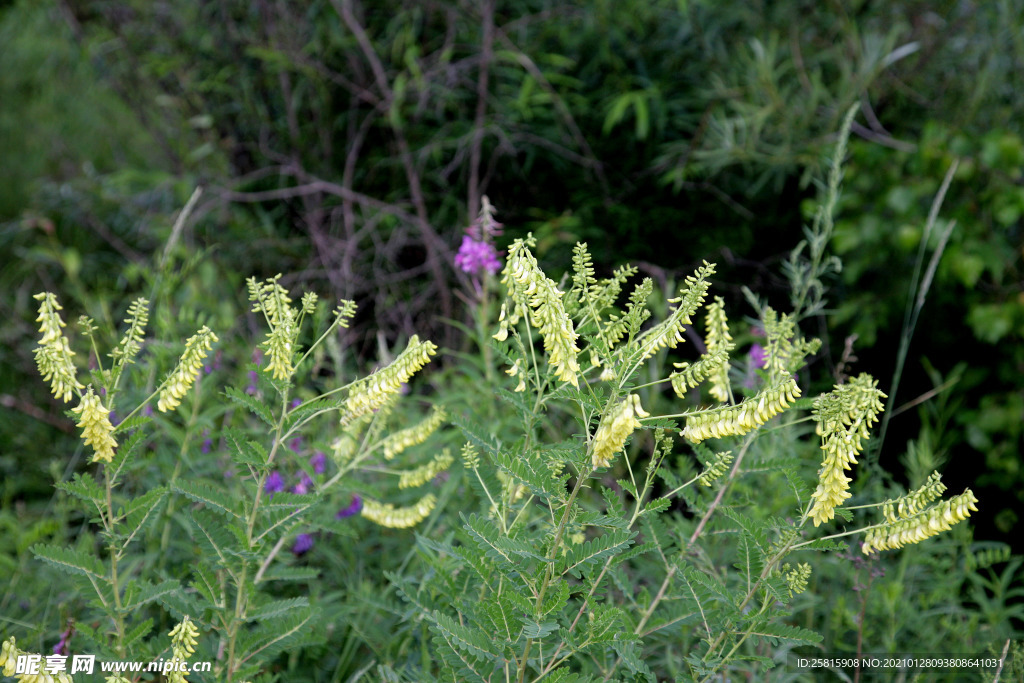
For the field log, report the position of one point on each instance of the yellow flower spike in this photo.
(189, 367)
(280, 345)
(615, 427)
(925, 524)
(370, 393)
(387, 515)
(53, 355)
(8, 655)
(424, 473)
(669, 332)
(844, 416)
(94, 421)
(741, 418)
(184, 638)
(412, 436)
(719, 341)
(716, 468)
(796, 579)
(538, 297)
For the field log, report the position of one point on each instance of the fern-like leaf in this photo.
(251, 404)
(70, 561)
(202, 492)
(579, 557)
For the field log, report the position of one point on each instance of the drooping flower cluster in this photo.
(535, 296)
(94, 421)
(53, 355)
(915, 501)
(412, 436)
(273, 301)
(925, 524)
(370, 393)
(716, 468)
(184, 639)
(387, 515)
(426, 472)
(669, 332)
(617, 424)
(844, 418)
(189, 367)
(742, 417)
(718, 341)
(689, 375)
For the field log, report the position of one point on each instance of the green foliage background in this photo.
(347, 144)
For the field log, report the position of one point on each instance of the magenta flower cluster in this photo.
(475, 257)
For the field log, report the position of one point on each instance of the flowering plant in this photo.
(233, 585)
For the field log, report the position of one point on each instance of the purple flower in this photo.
(296, 403)
(303, 544)
(147, 411)
(475, 257)
(213, 364)
(295, 445)
(318, 461)
(353, 508)
(114, 419)
(757, 355)
(61, 648)
(302, 487)
(253, 378)
(207, 441)
(274, 483)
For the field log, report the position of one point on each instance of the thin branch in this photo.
(486, 55)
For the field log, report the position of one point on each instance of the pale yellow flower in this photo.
(387, 515)
(189, 367)
(617, 424)
(927, 523)
(370, 393)
(53, 355)
(94, 421)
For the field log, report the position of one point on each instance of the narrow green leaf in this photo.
(255, 407)
(70, 561)
(202, 492)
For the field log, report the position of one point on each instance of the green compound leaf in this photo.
(276, 634)
(473, 641)
(582, 556)
(148, 592)
(783, 633)
(137, 633)
(70, 561)
(536, 629)
(629, 648)
(276, 608)
(290, 574)
(201, 492)
(255, 407)
(244, 452)
(502, 616)
(142, 511)
(83, 487)
(476, 433)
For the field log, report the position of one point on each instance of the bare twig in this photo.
(486, 54)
